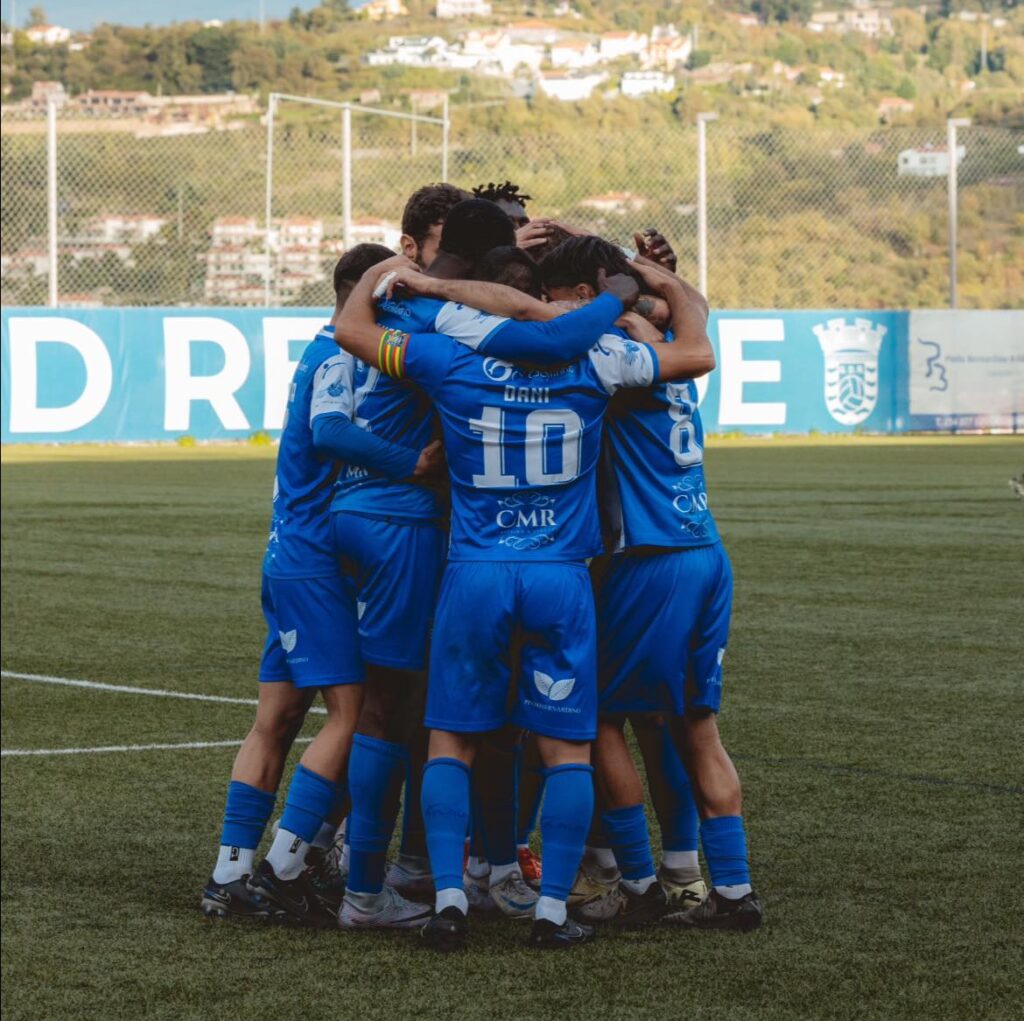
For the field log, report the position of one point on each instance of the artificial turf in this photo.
(874, 699)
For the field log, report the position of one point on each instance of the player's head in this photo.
(473, 228)
(352, 265)
(424, 216)
(570, 271)
(555, 236)
(513, 267)
(508, 198)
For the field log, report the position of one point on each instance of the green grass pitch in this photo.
(873, 701)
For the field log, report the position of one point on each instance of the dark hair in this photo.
(355, 262)
(473, 228)
(577, 261)
(513, 267)
(507, 192)
(427, 206)
(556, 235)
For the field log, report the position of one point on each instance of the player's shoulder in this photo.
(412, 311)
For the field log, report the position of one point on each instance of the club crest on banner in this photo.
(851, 367)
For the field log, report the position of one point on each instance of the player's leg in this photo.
(531, 786)
(323, 655)
(393, 569)
(252, 791)
(675, 809)
(557, 701)
(494, 816)
(624, 821)
(732, 902)
(466, 695)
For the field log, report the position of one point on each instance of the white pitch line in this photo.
(128, 748)
(126, 689)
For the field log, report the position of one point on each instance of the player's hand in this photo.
(410, 279)
(657, 279)
(640, 329)
(533, 234)
(431, 463)
(622, 285)
(652, 244)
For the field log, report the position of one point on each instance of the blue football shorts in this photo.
(393, 570)
(312, 632)
(486, 610)
(663, 621)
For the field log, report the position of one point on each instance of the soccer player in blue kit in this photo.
(312, 646)
(663, 615)
(522, 447)
(388, 537)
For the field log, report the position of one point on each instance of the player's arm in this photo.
(690, 354)
(498, 299)
(501, 332)
(356, 328)
(336, 436)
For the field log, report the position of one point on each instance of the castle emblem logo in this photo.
(851, 367)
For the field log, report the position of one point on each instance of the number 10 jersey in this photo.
(522, 445)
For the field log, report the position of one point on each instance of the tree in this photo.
(36, 17)
(906, 89)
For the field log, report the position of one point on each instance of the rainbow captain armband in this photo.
(391, 353)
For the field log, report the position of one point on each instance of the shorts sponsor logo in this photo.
(289, 639)
(557, 691)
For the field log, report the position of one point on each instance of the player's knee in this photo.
(280, 726)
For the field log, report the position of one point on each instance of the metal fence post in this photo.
(346, 175)
(268, 207)
(951, 125)
(51, 197)
(702, 199)
(445, 129)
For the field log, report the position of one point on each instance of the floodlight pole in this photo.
(445, 130)
(268, 207)
(51, 197)
(346, 175)
(951, 125)
(702, 199)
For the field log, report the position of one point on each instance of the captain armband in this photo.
(391, 353)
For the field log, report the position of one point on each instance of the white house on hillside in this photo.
(462, 9)
(567, 87)
(573, 54)
(644, 83)
(48, 35)
(613, 45)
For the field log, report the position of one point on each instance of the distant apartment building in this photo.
(927, 161)
(668, 48)
(48, 35)
(462, 9)
(613, 45)
(384, 10)
(894, 106)
(495, 49)
(241, 255)
(645, 83)
(44, 92)
(410, 51)
(573, 54)
(113, 103)
(372, 231)
(568, 87)
(870, 21)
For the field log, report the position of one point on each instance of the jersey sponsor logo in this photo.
(524, 517)
(289, 639)
(851, 367)
(557, 691)
(497, 370)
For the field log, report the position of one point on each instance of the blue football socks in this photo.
(445, 799)
(246, 812)
(564, 824)
(725, 849)
(376, 770)
(311, 798)
(627, 833)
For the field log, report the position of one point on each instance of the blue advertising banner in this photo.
(108, 375)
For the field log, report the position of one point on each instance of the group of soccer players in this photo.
(491, 549)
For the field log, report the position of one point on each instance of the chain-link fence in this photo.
(793, 218)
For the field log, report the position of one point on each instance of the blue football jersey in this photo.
(300, 535)
(653, 489)
(522, 445)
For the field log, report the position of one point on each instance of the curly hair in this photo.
(507, 192)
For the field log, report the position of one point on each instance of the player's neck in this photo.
(448, 267)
